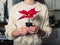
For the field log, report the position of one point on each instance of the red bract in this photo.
(28, 14)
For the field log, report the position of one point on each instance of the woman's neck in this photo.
(29, 2)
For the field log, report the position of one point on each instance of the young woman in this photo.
(19, 14)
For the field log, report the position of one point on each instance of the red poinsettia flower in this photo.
(28, 14)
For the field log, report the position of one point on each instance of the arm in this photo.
(46, 30)
(10, 27)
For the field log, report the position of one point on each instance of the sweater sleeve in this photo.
(45, 24)
(11, 25)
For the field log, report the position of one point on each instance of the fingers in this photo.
(23, 30)
(32, 30)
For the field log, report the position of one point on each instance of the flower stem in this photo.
(28, 18)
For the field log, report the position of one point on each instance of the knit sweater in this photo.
(40, 19)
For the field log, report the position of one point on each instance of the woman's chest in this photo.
(23, 15)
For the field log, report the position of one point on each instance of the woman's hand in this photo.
(20, 31)
(23, 30)
(33, 29)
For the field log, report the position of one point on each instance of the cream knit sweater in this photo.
(14, 23)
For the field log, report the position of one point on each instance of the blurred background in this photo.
(54, 19)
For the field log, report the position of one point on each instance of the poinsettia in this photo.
(28, 14)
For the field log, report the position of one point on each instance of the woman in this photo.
(16, 28)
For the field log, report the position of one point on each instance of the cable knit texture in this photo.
(37, 20)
